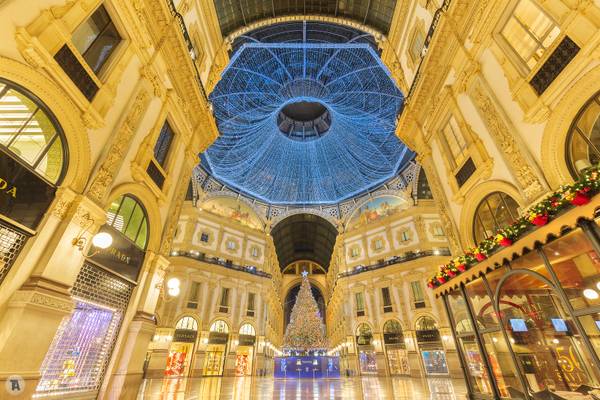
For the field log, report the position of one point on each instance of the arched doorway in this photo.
(395, 348)
(367, 359)
(431, 347)
(181, 350)
(218, 338)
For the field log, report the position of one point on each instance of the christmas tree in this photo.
(305, 330)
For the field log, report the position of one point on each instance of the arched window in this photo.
(495, 211)
(392, 332)
(219, 326)
(247, 329)
(583, 140)
(187, 323)
(426, 324)
(30, 132)
(364, 334)
(128, 216)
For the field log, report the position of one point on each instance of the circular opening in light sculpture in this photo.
(590, 294)
(304, 120)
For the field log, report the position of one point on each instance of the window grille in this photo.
(11, 243)
(81, 349)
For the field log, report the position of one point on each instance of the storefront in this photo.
(527, 319)
(181, 350)
(244, 355)
(395, 348)
(367, 357)
(218, 339)
(79, 354)
(32, 164)
(431, 347)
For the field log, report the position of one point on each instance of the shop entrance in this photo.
(395, 348)
(217, 345)
(431, 347)
(367, 359)
(245, 352)
(181, 350)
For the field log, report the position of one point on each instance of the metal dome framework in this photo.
(359, 150)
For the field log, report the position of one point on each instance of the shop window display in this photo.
(546, 343)
(242, 364)
(434, 362)
(178, 360)
(368, 361)
(214, 362)
(501, 364)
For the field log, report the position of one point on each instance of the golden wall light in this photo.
(101, 240)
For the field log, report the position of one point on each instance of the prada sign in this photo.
(24, 196)
(122, 256)
(185, 335)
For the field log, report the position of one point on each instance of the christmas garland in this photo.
(568, 196)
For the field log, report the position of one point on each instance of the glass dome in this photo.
(306, 123)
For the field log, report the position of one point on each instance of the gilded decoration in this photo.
(114, 158)
(525, 175)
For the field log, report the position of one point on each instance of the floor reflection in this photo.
(267, 388)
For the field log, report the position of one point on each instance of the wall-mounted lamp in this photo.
(101, 240)
(173, 287)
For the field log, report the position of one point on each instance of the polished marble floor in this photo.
(248, 388)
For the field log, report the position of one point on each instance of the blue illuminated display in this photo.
(339, 143)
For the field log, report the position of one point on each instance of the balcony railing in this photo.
(408, 256)
(223, 263)
(188, 41)
(436, 20)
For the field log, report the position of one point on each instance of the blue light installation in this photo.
(306, 123)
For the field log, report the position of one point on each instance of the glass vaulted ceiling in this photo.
(235, 14)
(306, 122)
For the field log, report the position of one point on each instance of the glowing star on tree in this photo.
(305, 330)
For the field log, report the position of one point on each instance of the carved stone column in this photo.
(128, 372)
